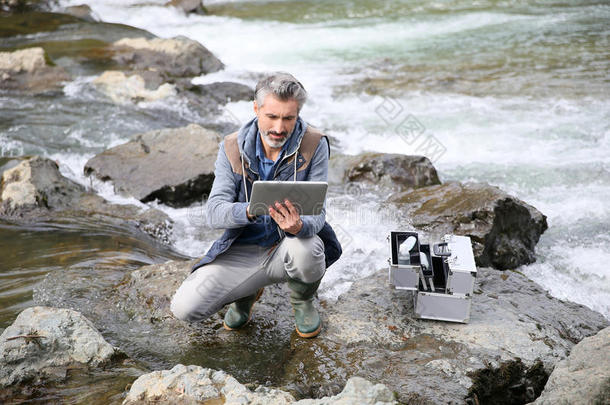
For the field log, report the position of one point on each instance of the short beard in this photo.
(272, 143)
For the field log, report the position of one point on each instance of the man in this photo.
(280, 247)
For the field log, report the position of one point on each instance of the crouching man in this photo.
(280, 247)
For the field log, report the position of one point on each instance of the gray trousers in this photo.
(242, 270)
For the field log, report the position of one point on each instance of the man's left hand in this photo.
(286, 216)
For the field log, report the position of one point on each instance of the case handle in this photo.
(441, 249)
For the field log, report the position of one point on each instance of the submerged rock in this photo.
(175, 166)
(32, 188)
(504, 230)
(44, 343)
(123, 89)
(394, 171)
(188, 6)
(174, 57)
(584, 377)
(82, 11)
(199, 385)
(513, 340)
(28, 70)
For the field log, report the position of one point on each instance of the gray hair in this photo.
(283, 86)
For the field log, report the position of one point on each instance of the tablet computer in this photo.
(307, 196)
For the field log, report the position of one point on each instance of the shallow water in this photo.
(29, 252)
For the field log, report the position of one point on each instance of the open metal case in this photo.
(441, 275)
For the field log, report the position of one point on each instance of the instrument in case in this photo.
(441, 275)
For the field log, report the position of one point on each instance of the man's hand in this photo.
(250, 216)
(286, 216)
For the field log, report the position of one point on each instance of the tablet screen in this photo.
(307, 196)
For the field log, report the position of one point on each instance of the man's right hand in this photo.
(251, 218)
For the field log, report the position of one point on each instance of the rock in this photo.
(504, 230)
(513, 327)
(20, 6)
(188, 6)
(198, 385)
(82, 11)
(394, 171)
(35, 183)
(44, 343)
(26, 60)
(175, 57)
(175, 166)
(27, 69)
(357, 391)
(224, 92)
(124, 89)
(338, 165)
(194, 384)
(584, 377)
(32, 188)
(504, 355)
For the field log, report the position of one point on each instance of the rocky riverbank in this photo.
(505, 355)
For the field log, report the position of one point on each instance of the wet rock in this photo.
(512, 320)
(198, 385)
(123, 89)
(504, 230)
(188, 6)
(174, 57)
(357, 391)
(82, 11)
(584, 377)
(394, 171)
(511, 344)
(28, 70)
(175, 166)
(32, 188)
(20, 6)
(44, 343)
(224, 92)
(338, 165)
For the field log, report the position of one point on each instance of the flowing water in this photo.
(513, 93)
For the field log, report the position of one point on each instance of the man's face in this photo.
(276, 120)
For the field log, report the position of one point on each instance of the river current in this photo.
(510, 93)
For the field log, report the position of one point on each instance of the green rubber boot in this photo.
(240, 312)
(306, 317)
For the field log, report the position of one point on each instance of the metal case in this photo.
(404, 264)
(462, 269)
(445, 276)
(441, 306)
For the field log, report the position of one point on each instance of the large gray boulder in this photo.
(28, 70)
(174, 57)
(197, 385)
(44, 343)
(393, 171)
(582, 378)
(175, 166)
(32, 189)
(504, 230)
(504, 355)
